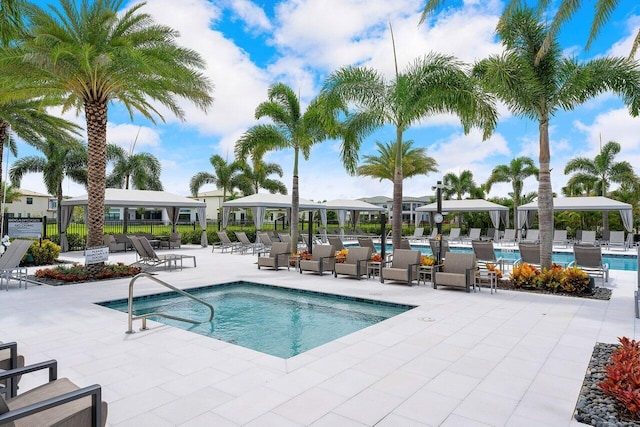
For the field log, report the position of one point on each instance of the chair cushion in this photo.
(451, 279)
(401, 274)
(351, 269)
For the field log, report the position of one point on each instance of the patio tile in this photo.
(487, 408)
(185, 408)
(310, 405)
(504, 384)
(401, 383)
(208, 419)
(145, 419)
(250, 405)
(452, 384)
(368, 407)
(455, 420)
(332, 420)
(395, 420)
(137, 404)
(427, 407)
(272, 420)
(349, 383)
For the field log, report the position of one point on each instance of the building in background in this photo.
(409, 205)
(32, 205)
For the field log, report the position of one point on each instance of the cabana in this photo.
(496, 211)
(596, 203)
(116, 197)
(354, 207)
(260, 203)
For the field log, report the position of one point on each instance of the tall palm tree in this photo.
(430, 85)
(256, 176)
(133, 170)
(228, 176)
(414, 161)
(564, 12)
(86, 55)
(291, 129)
(515, 172)
(9, 192)
(537, 90)
(580, 186)
(458, 185)
(58, 162)
(11, 23)
(602, 171)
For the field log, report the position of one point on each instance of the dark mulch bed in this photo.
(52, 282)
(598, 293)
(594, 407)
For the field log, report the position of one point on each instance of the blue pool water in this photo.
(277, 321)
(616, 262)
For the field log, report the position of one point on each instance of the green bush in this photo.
(76, 241)
(44, 254)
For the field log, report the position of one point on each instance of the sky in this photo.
(250, 45)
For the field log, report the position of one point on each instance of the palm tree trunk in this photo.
(515, 217)
(96, 118)
(125, 211)
(4, 134)
(396, 223)
(295, 204)
(59, 207)
(545, 196)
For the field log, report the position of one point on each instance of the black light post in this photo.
(438, 219)
(383, 235)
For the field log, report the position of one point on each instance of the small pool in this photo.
(278, 321)
(616, 262)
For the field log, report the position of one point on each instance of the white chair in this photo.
(509, 236)
(616, 240)
(560, 238)
(588, 238)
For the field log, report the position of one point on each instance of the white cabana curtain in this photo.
(225, 216)
(342, 218)
(495, 218)
(202, 220)
(354, 217)
(627, 219)
(173, 213)
(65, 219)
(323, 217)
(258, 216)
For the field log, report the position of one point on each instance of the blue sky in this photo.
(249, 45)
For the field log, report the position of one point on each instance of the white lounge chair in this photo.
(10, 263)
(533, 236)
(616, 240)
(588, 238)
(560, 238)
(509, 236)
(454, 235)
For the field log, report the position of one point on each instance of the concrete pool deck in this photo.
(511, 358)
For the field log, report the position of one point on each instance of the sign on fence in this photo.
(96, 255)
(25, 227)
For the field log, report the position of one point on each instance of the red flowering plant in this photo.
(79, 273)
(623, 377)
(376, 258)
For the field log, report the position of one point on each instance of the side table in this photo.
(425, 271)
(373, 269)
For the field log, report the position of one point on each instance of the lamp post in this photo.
(438, 219)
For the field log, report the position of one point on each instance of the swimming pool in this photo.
(278, 321)
(616, 262)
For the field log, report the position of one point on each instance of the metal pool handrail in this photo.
(166, 316)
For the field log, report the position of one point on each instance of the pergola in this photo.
(259, 204)
(595, 203)
(495, 210)
(342, 206)
(115, 197)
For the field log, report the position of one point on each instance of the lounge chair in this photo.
(588, 238)
(175, 241)
(322, 259)
(491, 233)
(589, 259)
(265, 240)
(355, 264)
(533, 236)
(149, 258)
(278, 256)
(367, 242)
(474, 234)
(418, 234)
(509, 236)
(59, 402)
(458, 271)
(273, 235)
(485, 254)
(246, 243)
(337, 243)
(111, 242)
(10, 263)
(10, 359)
(434, 233)
(404, 244)
(454, 235)
(560, 238)
(530, 254)
(403, 267)
(616, 240)
(433, 243)
(225, 243)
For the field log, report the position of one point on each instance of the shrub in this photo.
(45, 254)
(76, 241)
(575, 280)
(623, 377)
(525, 276)
(551, 279)
(341, 255)
(78, 272)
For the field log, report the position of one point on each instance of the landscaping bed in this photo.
(77, 273)
(598, 293)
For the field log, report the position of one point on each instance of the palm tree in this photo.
(257, 175)
(86, 55)
(58, 162)
(601, 171)
(537, 90)
(458, 185)
(433, 84)
(9, 193)
(580, 186)
(515, 172)
(564, 12)
(11, 23)
(228, 176)
(291, 129)
(414, 161)
(140, 171)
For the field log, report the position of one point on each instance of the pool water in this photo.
(616, 262)
(278, 321)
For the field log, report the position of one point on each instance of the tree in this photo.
(291, 129)
(140, 171)
(228, 176)
(10, 193)
(458, 185)
(537, 90)
(58, 162)
(564, 12)
(88, 55)
(601, 171)
(580, 185)
(515, 172)
(414, 161)
(256, 177)
(430, 85)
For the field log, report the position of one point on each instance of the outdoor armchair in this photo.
(10, 359)
(175, 240)
(59, 402)
(113, 244)
(403, 266)
(322, 259)
(278, 256)
(457, 271)
(589, 259)
(355, 264)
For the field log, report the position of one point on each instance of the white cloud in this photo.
(250, 13)
(623, 46)
(613, 125)
(125, 134)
